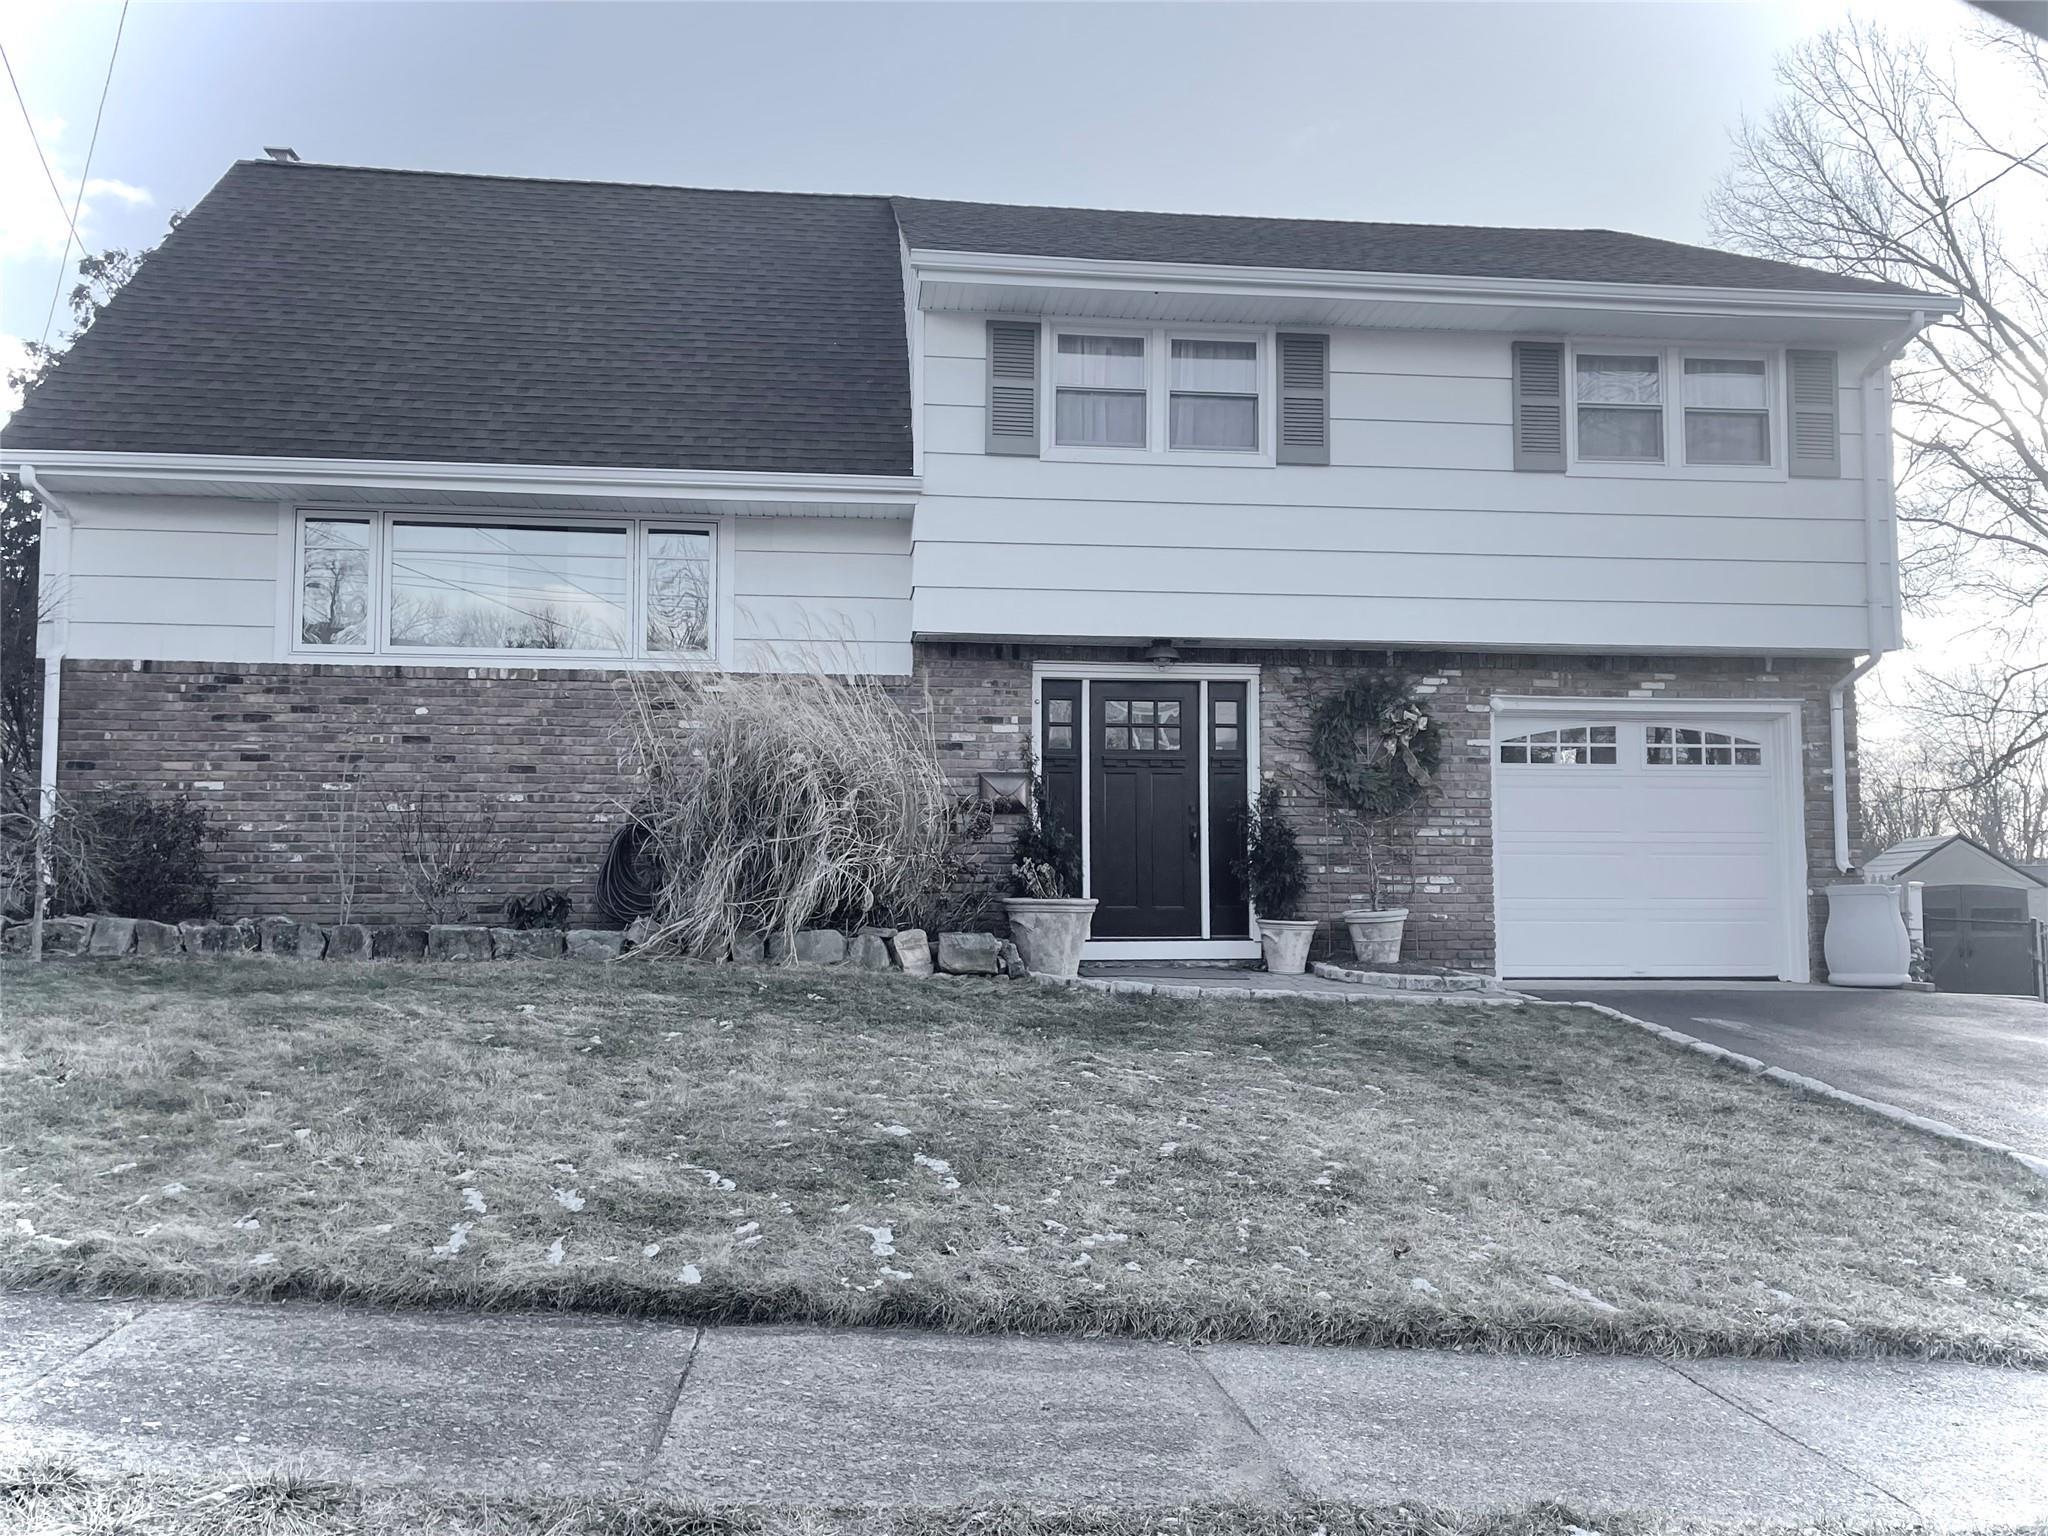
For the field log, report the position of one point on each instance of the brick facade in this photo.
(268, 749)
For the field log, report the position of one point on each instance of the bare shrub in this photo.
(439, 847)
(777, 800)
(68, 845)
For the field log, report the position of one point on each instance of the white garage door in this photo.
(1645, 847)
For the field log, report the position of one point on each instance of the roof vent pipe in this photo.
(284, 154)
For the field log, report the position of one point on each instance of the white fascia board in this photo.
(425, 475)
(1309, 283)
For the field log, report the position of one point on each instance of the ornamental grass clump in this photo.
(776, 801)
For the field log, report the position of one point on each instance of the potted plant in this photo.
(1378, 751)
(1271, 867)
(1049, 918)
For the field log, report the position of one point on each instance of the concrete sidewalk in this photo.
(517, 1403)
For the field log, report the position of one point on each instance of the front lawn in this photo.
(728, 1144)
(49, 1498)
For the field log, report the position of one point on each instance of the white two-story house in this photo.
(392, 474)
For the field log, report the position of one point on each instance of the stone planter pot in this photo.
(1866, 943)
(1284, 941)
(1050, 932)
(1376, 936)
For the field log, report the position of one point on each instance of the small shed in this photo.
(1962, 879)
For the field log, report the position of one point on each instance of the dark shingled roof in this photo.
(1438, 250)
(341, 312)
(331, 312)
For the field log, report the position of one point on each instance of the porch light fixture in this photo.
(1161, 653)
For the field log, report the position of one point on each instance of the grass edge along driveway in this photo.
(721, 1144)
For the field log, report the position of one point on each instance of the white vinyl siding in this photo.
(175, 578)
(1418, 532)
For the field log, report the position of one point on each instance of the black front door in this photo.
(1145, 806)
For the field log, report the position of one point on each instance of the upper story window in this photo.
(1099, 392)
(1160, 392)
(1702, 412)
(1727, 411)
(1213, 394)
(1621, 406)
(492, 586)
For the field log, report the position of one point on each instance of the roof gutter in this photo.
(1300, 282)
(426, 474)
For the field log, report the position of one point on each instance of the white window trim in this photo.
(1671, 375)
(1159, 340)
(637, 528)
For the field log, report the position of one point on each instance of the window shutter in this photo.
(1539, 405)
(1816, 434)
(1304, 398)
(1013, 387)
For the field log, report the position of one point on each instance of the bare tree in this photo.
(1881, 162)
(1937, 778)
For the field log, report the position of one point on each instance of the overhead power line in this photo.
(29, 123)
(78, 199)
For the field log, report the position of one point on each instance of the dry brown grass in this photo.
(49, 1499)
(723, 1143)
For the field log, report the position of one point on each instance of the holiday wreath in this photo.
(1375, 746)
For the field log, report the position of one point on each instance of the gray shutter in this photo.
(1816, 434)
(1539, 405)
(1304, 398)
(1013, 387)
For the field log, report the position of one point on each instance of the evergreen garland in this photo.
(1375, 746)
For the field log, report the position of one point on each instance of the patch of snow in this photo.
(1081, 1261)
(1093, 1239)
(458, 1239)
(1168, 1148)
(650, 1250)
(941, 1169)
(262, 1259)
(467, 1173)
(1132, 1265)
(304, 1132)
(747, 1230)
(892, 1130)
(881, 1241)
(172, 1189)
(1579, 1293)
(555, 1251)
(569, 1199)
(1423, 1287)
(689, 1274)
(117, 1168)
(894, 1274)
(473, 1200)
(248, 1223)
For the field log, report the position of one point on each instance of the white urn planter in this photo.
(1284, 941)
(1376, 936)
(1866, 943)
(1049, 931)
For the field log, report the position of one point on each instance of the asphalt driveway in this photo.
(1979, 1063)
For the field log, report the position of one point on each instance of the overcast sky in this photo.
(1612, 114)
(1594, 114)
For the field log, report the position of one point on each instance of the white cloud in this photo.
(33, 227)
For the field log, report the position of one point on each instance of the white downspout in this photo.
(1838, 748)
(53, 637)
(1879, 555)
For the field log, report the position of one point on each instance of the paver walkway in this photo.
(513, 1403)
